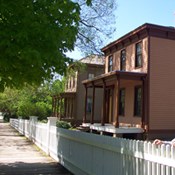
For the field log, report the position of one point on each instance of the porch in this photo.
(115, 118)
(63, 105)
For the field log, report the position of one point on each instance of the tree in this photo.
(27, 102)
(97, 24)
(36, 34)
(34, 37)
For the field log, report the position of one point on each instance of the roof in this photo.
(149, 29)
(93, 59)
(98, 80)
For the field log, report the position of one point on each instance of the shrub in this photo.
(63, 124)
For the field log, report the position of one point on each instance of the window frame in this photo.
(110, 63)
(123, 63)
(121, 111)
(138, 55)
(89, 105)
(90, 76)
(138, 112)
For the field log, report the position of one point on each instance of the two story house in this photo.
(70, 105)
(138, 85)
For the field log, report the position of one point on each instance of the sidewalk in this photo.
(19, 156)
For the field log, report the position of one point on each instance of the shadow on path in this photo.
(19, 156)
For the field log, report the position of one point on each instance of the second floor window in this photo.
(138, 55)
(138, 101)
(110, 63)
(90, 76)
(123, 60)
(122, 102)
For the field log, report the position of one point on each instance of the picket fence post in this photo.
(32, 124)
(51, 122)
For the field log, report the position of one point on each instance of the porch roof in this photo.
(65, 94)
(99, 80)
(68, 94)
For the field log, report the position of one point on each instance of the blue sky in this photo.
(130, 14)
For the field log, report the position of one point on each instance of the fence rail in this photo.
(91, 154)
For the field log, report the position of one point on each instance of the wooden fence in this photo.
(90, 154)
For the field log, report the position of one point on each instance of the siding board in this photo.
(162, 83)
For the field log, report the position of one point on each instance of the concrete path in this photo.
(19, 156)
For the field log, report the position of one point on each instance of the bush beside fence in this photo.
(90, 154)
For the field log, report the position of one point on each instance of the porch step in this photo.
(84, 128)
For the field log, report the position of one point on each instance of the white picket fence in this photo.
(90, 154)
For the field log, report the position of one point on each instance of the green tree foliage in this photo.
(36, 34)
(29, 101)
(58, 86)
(34, 37)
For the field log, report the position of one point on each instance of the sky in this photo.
(131, 14)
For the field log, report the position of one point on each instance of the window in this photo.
(110, 63)
(90, 76)
(89, 105)
(122, 102)
(138, 55)
(138, 101)
(123, 60)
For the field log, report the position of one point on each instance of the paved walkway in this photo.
(19, 156)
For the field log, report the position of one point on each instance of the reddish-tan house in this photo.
(70, 105)
(138, 85)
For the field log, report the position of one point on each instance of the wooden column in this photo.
(85, 105)
(71, 115)
(54, 108)
(104, 104)
(57, 106)
(60, 108)
(93, 105)
(116, 122)
(65, 107)
(52, 105)
(143, 103)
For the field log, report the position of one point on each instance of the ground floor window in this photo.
(89, 105)
(138, 101)
(122, 102)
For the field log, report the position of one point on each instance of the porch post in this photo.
(57, 106)
(65, 107)
(71, 115)
(85, 105)
(61, 100)
(143, 103)
(93, 105)
(104, 104)
(52, 105)
(54, 108)
(116, 122)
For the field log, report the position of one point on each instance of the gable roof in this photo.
(93, 59)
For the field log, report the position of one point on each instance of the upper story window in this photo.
(90, 76)
(122, 102)
(110, 63)
(138, 55)
(138, 101)
(123, 60)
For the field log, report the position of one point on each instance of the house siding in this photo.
(130, 58)
(81, 93)
(129, 117)
(162, 84)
